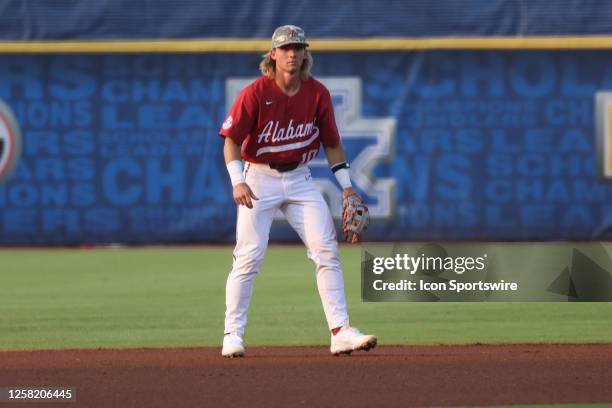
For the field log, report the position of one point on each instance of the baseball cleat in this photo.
(232, 346)
(349, 339)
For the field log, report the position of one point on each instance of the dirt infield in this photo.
(309, 376)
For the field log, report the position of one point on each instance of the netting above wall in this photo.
(156, 19)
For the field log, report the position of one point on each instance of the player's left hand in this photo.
(355, 216)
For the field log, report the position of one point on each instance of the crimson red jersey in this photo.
(273, 127)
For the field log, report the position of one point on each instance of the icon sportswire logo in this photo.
(10, 142)
(377, 134)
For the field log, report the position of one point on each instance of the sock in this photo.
(336, 330)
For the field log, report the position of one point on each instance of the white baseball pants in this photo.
(297, 196)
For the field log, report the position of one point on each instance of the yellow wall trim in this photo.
(212, 45)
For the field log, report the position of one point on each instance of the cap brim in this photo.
(305, 44)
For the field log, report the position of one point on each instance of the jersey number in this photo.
(309, 155)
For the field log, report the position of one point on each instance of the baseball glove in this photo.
(355, 218)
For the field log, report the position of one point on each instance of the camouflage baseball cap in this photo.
(288, 34)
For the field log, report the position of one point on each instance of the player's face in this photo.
(289, 58)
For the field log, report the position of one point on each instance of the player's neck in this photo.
(289, 83)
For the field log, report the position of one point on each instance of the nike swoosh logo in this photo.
(269, 102)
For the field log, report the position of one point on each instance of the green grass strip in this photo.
(175, 297)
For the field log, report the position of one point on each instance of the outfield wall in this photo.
(445, 145)
(469, 143)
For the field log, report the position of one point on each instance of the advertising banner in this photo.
(446, 145)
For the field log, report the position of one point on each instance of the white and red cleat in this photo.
(232, 346)
(349, 339)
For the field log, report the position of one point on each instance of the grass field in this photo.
(174, 297)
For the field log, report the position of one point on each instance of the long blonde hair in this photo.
(267, 66)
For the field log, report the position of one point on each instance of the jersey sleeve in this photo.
(241, 117)
(327, 120)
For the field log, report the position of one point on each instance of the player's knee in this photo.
(248, 261)
(325, 256)
(328, 248)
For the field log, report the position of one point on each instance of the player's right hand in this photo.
(243, 195)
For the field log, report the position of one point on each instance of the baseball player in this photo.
(277, 125)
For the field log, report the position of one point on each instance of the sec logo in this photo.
(10, 142)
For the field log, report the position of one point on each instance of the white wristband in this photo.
(342, 175)
(235, 168)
